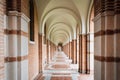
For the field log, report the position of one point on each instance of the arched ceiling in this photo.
(62, 17)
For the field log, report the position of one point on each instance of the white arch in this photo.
(59, 33)
(58, 30)
(52, 29)
(89, 14)
(58, 11)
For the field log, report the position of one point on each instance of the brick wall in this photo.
(33, 48)
(25, 7)
(18, 5)
(33, 68)
(33, 54)
(2, 12)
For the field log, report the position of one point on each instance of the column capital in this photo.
(18, 14)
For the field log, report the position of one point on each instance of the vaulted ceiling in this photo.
(62, 18)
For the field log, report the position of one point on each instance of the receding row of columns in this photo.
(66, 49)
(50, 50)
(46, 52)
(83, 58)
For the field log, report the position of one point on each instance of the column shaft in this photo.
(80, 54)
(84, 53)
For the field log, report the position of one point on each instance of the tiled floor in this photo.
(61, 78)
(61, 68)
(86, 77)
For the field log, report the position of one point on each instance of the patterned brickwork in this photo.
(2, 13)
(18, 5)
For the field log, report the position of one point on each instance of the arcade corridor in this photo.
(59, 39)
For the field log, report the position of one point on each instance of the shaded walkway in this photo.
(61, 68)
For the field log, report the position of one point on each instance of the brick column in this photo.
(17, 46)
(40, 52)
(69, 50)
(48, 51)
(74, 53)
(77, 50)
(89, 44)
(84, 53)
(52, 50)
(106, 40)
(117, 37)
(80, 54)
(109, 48)
(66, 49)
(51, 54)
(99, 49)
(2, 41)
(16, 31)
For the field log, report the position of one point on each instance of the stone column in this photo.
(17, 48)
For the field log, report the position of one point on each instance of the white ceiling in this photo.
(62, 17)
